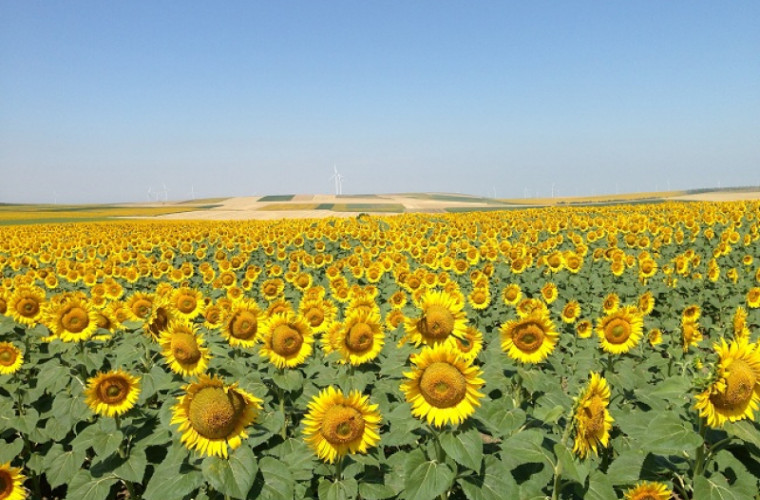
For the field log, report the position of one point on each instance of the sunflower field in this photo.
(565, 352)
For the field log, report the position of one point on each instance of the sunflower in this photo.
(692, 335)
(691, 313)
(571, 311)
(241, 324)
(337, 424)
(646, 490)
(611, 303)
(592, 420)
(11, 358)
(112, 393)
(655, 337)
(160, 315)
(394, 319)
(140, 305)
(212, 417)
(25, 305)
(278, 306)
(360, 338)
(186, 303)
(470, 345)
(530, 339)
(740, 323)
(549, 292)
(12, 483)
(182, 348)
(479, 298)
(442, 316)
(512, 294)
(318, 312)
(735, 392)
(646, 303)
(584, 329)
(529, 307)
(272, 288)
(442, 387)
(72, 320)
(287, 340)
(620, 331)
(753, 298)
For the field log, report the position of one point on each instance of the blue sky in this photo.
(101, 100)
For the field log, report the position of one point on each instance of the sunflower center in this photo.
(75, 320)
(141, 308)
(28, 307)
(3, 306)
(342, 425)
(465, 345)
(186, 304)
(528, 337)
(437, 323)
(479, 297)
(113, 390)
(360, 338)
(161, 322)
(7, 357)
(593, 416)
(740, 384)
(270, 289)
(244, 325)
(185, 348)
(286, 341)
(617, 331)
(443, 385)
(102, 321)
(315, 316)
(6, 484)
(214, 413)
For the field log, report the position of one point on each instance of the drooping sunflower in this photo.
(646, 303)
(11, 358)
(360, 338)
(337, 424)
(72, 320)
(646, 490)
(620, 331)
(12, 483)
(530, 339)
(442, 387)
(25, 305)
(442, 316)
(186, 303)
(161, 314)
(112, 393)
(212, 416)
(592, 419)
(286, 340)
(691, 334)
(241, 324)
(182, 348)
(735, 392)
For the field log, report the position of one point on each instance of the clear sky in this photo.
(101, 100)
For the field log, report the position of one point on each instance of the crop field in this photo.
(597, 352)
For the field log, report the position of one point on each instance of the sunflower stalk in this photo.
(557, 487)
(700, 459)
(440, 455)
(281, 396)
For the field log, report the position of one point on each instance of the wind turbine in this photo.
(150, 193)
(166, 195)
(338, 180)
(192, 192)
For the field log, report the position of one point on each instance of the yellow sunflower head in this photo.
(571, 311)
(26, 305)
(287, 340)
(72, 320)
(512, 294)
(655, 337)
(646, 490)
(112, 393)
(479, 298)
(11, 358)
(442, 316)
(584, 328)
(549, 292)
(361, 338)
(691, 313)
(735, 392)
(318, 312)
(182, 348)
(592, 420)
(337, 424)
(212, 416)
(469, 346)
(646, 303)
(530, 339)
(241, 324)
(12, 483)
(620, 331)
(140, 305)
(692, 335)
(753, 297)
(611, 303)
(186, 303)
(442, 387)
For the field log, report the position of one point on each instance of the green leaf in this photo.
(599, 487)
(744, 430)
(9, 452)
(54, 377)
(60, 465)
(83, 486)
(572, 468)
(234, 476)
(496, 482)
(626, 468)
(289, 380)
(464, 446)
(337, 490)
(278, 482)
(67, 410)
(299, 457)
(172, 480)
(713, 488)
(667, 434)
(500, 420)
(133, 468)
(375, 491)
(526, 447)
(425, 479)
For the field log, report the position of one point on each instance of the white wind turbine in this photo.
(166, 194)
(338, 180)
(151, 196)
(192, 192)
